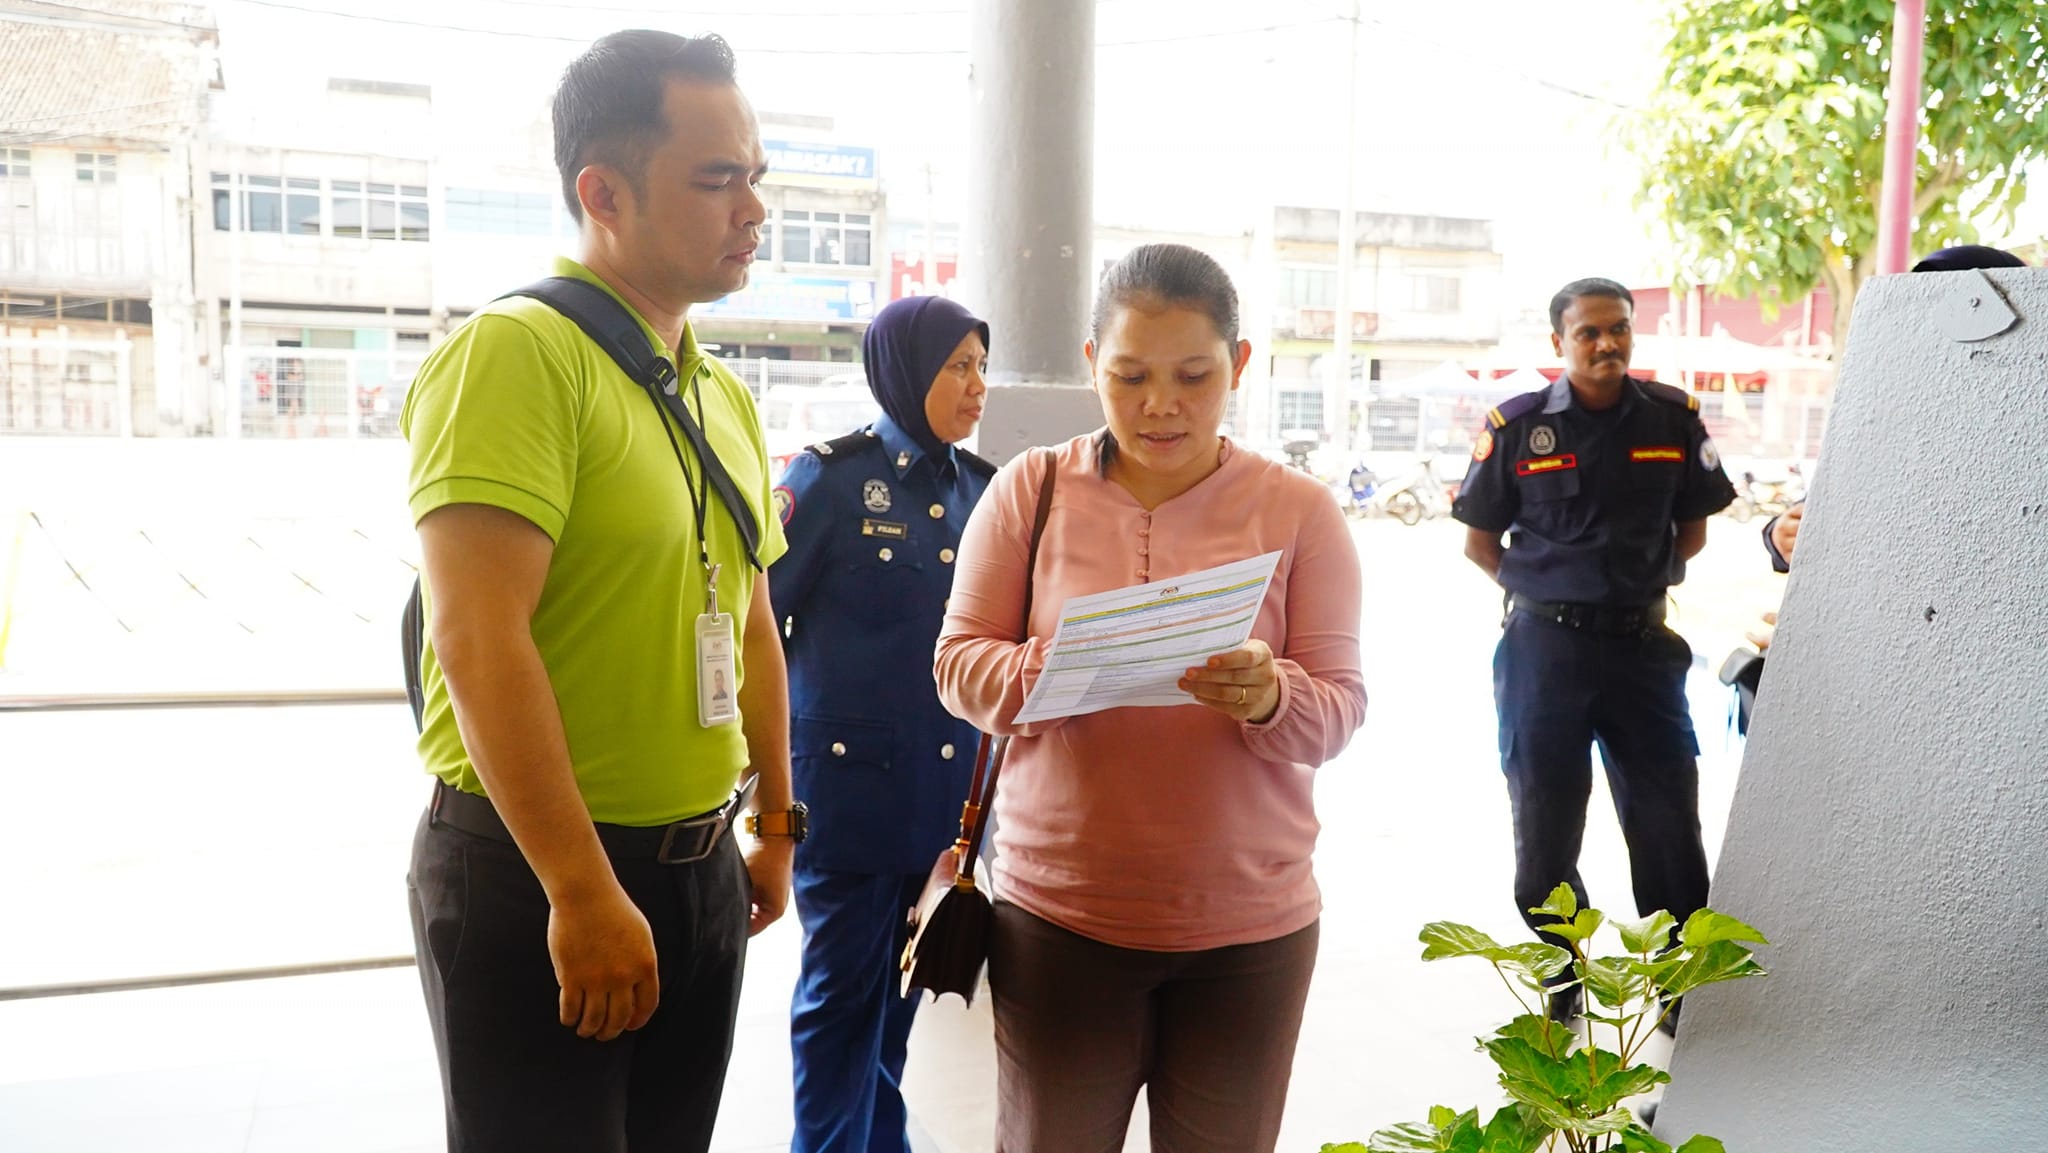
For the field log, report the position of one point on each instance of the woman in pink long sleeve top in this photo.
(1156, 911)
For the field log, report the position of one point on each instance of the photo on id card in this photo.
(718, 692)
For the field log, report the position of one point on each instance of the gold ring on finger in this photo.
(1240, 694)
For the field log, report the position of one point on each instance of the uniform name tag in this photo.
(1661, 452)
(1539, 465)
(893, 530)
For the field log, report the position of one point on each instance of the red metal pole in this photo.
(1901, 139)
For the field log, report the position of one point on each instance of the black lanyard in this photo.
(668, 402)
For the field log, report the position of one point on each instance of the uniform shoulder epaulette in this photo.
(975, 464)
(1516, 407)
(850, 445)
(1656, 390)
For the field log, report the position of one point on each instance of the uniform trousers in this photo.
(1561, 691)
(513, 1076)
(849, 1025)
(1082, 1025)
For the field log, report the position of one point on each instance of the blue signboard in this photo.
(806, 164)
(771, 297)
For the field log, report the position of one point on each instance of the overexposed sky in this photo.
(1208, 111)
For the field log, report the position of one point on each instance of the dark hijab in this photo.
(905, 347)
(1964, 256)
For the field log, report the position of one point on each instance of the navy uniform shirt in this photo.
(1592, 499)
(873, 524)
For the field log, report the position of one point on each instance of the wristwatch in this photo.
(793, 822)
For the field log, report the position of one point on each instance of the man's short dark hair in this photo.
(608, 107)
(1591, 286)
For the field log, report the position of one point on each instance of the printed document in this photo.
(1128, 648)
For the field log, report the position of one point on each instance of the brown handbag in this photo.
(950, 924)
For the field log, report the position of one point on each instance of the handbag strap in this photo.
(988, 757)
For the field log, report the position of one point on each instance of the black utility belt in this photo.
(676, 843)
(1620, 619)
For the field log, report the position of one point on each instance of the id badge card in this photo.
(718, 694)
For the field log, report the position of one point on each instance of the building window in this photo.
(496, 213)
(796, 237)
(262, 204)
(827, 238)
(302, 206)
(1436, 293)
(95, 167)
(859, 239)
(766, 253)
(348, 208)
(1308, 288)
(268, 204)
(379, 211)
(17, 212)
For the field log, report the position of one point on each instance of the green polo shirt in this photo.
(517, 409)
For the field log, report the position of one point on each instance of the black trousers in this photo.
(513, 1076)
(1562, 691)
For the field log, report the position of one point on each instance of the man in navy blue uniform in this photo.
(1603, 484)
(873, 520)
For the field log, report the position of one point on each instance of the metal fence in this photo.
(317, 392)
(280, 393)
(762, 373)
(57, 385)
(1788, 427)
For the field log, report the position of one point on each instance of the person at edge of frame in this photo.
(1603, 483)
(873, 520)
(580, 905)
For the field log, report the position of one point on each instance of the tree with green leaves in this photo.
(1762, 150)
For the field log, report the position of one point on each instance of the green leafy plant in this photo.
(1565, 1092)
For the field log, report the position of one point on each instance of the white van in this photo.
(796, 416)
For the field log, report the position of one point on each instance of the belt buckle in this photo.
(715, 822)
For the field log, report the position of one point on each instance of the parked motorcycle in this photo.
(1413, 496)
(1755, 497)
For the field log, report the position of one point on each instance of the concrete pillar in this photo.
(1890, 831)
(1025, 259)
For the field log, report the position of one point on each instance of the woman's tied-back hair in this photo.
(608, 107)
(1164, 276)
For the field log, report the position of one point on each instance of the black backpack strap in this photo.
(612, 328)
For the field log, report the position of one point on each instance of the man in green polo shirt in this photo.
(580, 904)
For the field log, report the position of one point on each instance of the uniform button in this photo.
(838, 749)
(938, 512)
(887, 554)
(1144, 532)
(946, 752)
(1143, 551)
(945, 556)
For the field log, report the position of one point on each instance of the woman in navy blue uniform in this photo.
(873, 520)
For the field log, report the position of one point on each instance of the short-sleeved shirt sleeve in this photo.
(1487, 500)
(1703, 488)
(493, 419)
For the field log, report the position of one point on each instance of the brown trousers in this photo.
(1081, 1025)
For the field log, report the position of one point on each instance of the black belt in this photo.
(1621, 619)
(677, 843)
